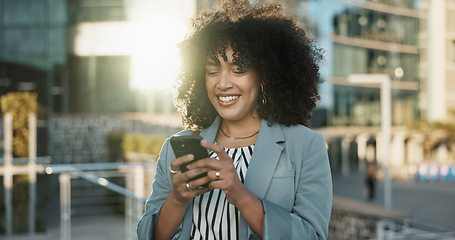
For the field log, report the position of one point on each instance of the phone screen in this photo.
(183, 145)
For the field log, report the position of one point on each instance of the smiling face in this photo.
(233, 91)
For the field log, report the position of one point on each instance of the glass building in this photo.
(92, 56)
(33, 49)
(365, 37)
(368, 37)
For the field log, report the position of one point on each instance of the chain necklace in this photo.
(237, 138)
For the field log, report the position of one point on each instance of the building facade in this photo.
(437, 37)
(33, 49)
(92, 56)
(412, 43)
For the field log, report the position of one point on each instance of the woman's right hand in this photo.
(173, 209)
(184, 190)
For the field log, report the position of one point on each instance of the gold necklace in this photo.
(237, 138)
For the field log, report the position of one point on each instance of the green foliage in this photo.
(114, 143)
(20, 105)
(141, 143)
(114, 139)
(120, 143)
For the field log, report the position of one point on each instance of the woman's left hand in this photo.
(223, 176)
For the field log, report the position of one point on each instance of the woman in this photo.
(249, 82)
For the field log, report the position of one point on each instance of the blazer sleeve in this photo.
(309, 218)
(161, 188)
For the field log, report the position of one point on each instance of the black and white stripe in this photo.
(213, 216)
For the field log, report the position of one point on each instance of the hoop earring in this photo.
(262, 95)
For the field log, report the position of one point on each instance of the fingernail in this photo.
(197, 170)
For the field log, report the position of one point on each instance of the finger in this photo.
(194, 173)
(201, 191)
(222, 155)
(199, 182)
(215, 175)
(175, 164)
(215, 148)
(208, 163)
(220, 175)
(216, 185)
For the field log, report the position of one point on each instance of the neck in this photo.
(240, 129)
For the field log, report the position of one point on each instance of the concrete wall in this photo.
(82, 138)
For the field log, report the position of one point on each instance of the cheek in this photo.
(209, 89)
(208, 86)
(210, 83)
(255, 88)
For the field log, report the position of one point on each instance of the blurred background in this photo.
(86, 98)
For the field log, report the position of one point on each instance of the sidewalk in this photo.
(108, 227)
(429, 204)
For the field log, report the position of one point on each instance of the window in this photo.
(96, 11)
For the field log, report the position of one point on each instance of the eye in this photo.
(211, 72)
(240, 71)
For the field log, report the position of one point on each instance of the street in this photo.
(429, 204)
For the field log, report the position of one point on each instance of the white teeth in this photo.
(228, 98)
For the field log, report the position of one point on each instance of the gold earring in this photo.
(263, 95)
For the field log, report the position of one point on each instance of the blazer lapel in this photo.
(266, 155)
(265, 158)
(209, 133)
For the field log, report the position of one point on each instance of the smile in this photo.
(227, 98)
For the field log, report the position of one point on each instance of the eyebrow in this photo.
(216, 62)
(208, 63)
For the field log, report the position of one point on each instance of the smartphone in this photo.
(183, 145)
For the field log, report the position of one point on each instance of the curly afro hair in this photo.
(261, 38)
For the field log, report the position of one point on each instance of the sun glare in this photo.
(156, 33)
(155, 60)
(149, 37)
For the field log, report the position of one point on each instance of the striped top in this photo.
(213, 216)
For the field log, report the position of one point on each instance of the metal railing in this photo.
(20, 166)
(95, 173)
(33, 165)
(134, 199)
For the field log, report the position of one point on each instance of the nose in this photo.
(224, 81)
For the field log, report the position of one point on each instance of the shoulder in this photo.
(302, 142)
(300, 133)
(181, 133)
(166, 149)
(184, 133)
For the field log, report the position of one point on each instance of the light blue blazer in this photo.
(289, 172)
